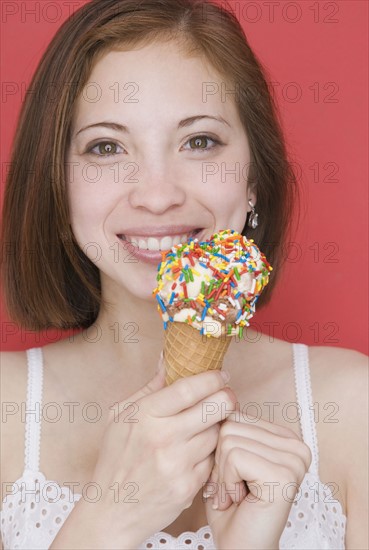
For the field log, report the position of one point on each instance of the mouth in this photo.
(158, 244)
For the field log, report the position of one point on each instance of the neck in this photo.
(128, 330)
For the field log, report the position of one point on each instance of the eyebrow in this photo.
(182, 124)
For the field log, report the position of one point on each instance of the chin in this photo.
(141, 285)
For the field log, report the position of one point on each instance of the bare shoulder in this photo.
(332, 358)
(339, 379)
(339, 374)
(13, 376)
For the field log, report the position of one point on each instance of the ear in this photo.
(251, 196)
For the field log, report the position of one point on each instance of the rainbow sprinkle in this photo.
(218, 280)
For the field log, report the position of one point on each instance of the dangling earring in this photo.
(253, 218)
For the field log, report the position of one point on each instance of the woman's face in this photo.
(157, 153)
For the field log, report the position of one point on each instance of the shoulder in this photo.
(338, 372)
(339, 379)
(331, 357)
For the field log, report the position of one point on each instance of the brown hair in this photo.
(48, 280)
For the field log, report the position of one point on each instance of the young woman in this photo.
(122, 163)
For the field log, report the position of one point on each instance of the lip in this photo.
(162, 231)
(148, 256)
(152, 256)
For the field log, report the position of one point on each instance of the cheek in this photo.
(226, 207)
(230, 208)
(90, 193)
(225, 195)
(229, 175)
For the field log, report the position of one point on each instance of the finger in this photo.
(271, 440)
(185, 393)
(203, 469)
(223, 498)
(230, 493)
(264, 479)
(208, 412)
(215, 491)
(246, 419)
(292, 461)
(204, 443)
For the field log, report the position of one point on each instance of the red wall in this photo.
(316, 55)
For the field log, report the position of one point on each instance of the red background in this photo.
(316, 54)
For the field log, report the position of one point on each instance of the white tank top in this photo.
(37, 507)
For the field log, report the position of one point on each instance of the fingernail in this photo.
(209, 490)
(215, 504)
(225, 375)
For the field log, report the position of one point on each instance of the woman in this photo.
(126, 157)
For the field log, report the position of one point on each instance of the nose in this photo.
(156, 192)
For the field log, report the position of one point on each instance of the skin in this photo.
(170, 190)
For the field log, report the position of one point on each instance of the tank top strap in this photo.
(305, 402)
(33, 413)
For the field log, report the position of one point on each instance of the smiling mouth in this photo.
(156, 244)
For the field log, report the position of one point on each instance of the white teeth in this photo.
(166, 243)
(155, 244)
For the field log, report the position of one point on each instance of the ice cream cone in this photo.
(206, 293)
(188, 352)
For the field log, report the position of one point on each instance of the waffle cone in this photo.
(187, 352)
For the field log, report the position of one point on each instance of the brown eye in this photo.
(107, 148)
(199, 142)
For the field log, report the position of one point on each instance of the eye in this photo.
(104, 148)
(201, 142)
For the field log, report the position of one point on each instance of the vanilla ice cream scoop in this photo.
(212, 285)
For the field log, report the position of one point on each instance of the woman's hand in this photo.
(272, 460)
(157, 452)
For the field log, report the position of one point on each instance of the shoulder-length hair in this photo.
(48, 280)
